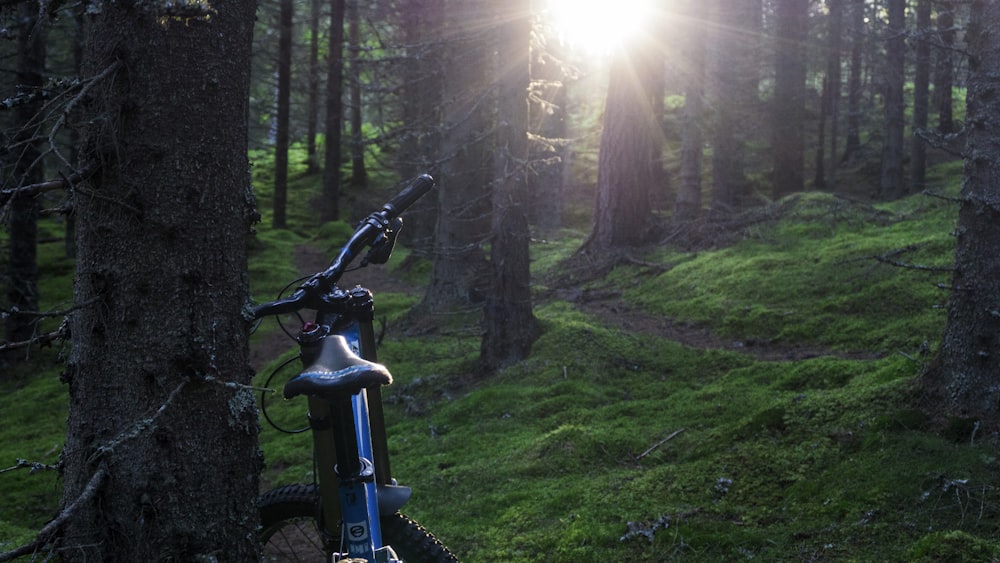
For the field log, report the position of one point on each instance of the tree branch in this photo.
(49, 530)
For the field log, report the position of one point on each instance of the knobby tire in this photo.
(290, 532)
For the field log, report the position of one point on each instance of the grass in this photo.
(610, 444)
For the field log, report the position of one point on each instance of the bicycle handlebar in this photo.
(311, 294)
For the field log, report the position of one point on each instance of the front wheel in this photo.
(290, 532)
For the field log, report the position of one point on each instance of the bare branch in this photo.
(42, 187)
(48, 532)
(888, 258)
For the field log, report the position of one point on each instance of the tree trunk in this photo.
(420, 143)
(511, 327)
(330, 205)
(788, 109)
(921, 96)
(312, 110)
(359, 174)
(892, 185)
(284, 96)
(833, 81)
(548, 151)
(944, 76)
(459, 276)
(734, 80)
(689, 199)
(22, 265)
(630, 150)
(162, 432)
(852, 143)
(968, 372)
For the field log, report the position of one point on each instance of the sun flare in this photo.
(597, 26)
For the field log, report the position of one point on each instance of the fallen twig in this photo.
(658, 444)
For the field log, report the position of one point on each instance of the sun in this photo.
(597, 26)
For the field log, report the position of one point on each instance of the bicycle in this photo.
(351, 511)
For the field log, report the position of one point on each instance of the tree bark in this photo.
(159, 362)
(892, 184)
(968, 372)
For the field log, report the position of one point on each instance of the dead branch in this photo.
(47, 533)
(42, 339)
(658, 444)
(888, 258)
(32, 190)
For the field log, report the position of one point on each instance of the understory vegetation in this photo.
(752, 400)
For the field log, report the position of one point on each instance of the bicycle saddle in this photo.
(337, 370)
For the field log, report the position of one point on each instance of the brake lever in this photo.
(384, 244)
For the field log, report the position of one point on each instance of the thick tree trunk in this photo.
(892, 184)
(968, 374)
(511, 327)
(158, 410)
(631, 145)
(789, 104)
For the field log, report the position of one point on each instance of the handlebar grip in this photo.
(414, 189)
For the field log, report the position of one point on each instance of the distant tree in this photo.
(510, 325)
(421, 111)
(945, 68)
(548, 123)
(330, 204)
(359, 173)
(22, 265)
(892, 184)
(967, 375)
(312, 89)
(826, 173)
(628, 168)
(459, 276)
(692, 67)
(284, 94)
(852, 143)
(161, 456)
(733, 85)
(789, 105)
(921, 95)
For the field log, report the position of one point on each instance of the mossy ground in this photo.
(616, 444)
